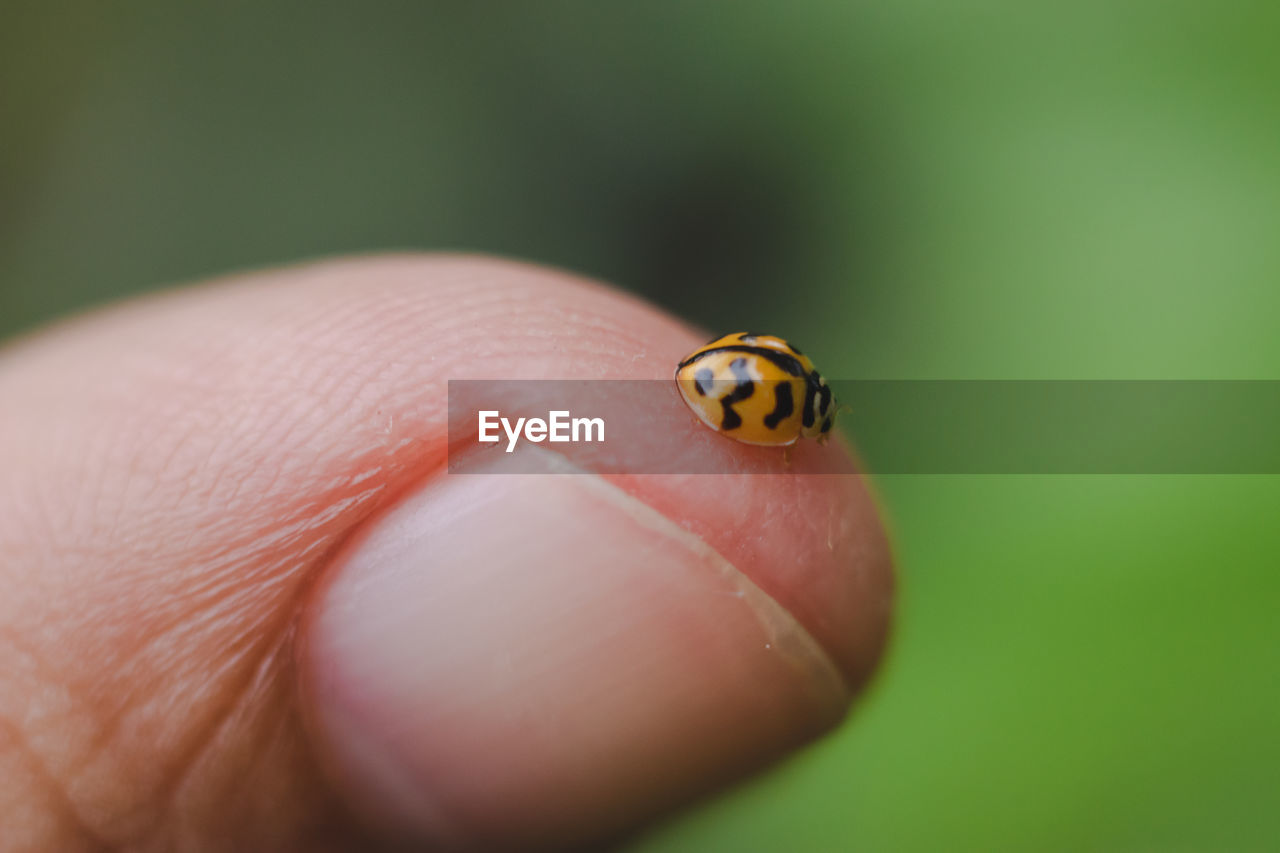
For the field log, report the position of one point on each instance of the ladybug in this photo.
(757, 389)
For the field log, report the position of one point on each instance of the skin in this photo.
(209, 638)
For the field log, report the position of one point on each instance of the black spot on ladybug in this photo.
(783, 408)
(810, 392)
(745, 388)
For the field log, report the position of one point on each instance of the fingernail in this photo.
(542, 659)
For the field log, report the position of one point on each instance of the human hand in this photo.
(243, 607)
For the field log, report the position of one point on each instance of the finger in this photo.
(217, 494)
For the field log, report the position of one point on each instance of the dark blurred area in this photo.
(673, 154)
(909, 190)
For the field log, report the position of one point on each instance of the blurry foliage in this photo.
(916, 189)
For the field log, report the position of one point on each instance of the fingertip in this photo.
(238, 433)
(544, 659)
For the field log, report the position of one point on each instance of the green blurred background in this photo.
(910, 189)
